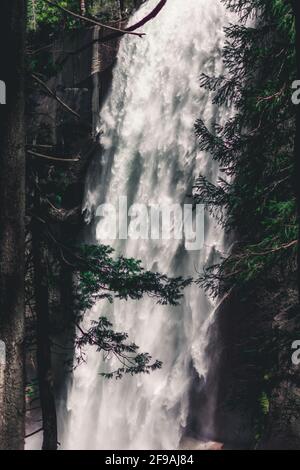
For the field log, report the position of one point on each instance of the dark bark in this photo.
(82, 7)
(296, 6)
(12, 212)
(149, 17)
(44, 366)
(122, 7)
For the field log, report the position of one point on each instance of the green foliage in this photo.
(44, 16)
(47, 17)
(101, 276)
(265, 403)
(114, 344)
(46, 23)
(255, 197)
(98, 274)
(31, 390)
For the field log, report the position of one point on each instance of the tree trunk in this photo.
(296, 6)
(44, 366)
(122, 7)
(34, 15)
(82, 8)
(12, 233)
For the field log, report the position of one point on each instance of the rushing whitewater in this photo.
(150, 155)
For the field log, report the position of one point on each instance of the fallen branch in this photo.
(271, 97)
(247, 254)
(56, 159)
(35, 432)
(45, 146)
(54, 95)
(275, 250)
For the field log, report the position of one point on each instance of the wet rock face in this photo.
(84, 63)
(234, 380)
(228, 380)
(193, 444)
(80, 56)
(283, 425)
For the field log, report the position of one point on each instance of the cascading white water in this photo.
(151, 156)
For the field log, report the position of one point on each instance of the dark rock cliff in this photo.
(253, 387)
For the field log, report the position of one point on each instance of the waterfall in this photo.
(150, 155)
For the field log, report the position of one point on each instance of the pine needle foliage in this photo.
(255, 197)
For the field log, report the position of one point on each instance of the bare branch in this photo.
(35, 432)
(54, 95)
(56, 159)
(142, 22)
(91, 21)
(118, 32)
(286, 246)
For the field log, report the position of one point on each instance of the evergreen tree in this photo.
(256, 200)
(12, 233)
(255, 147)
